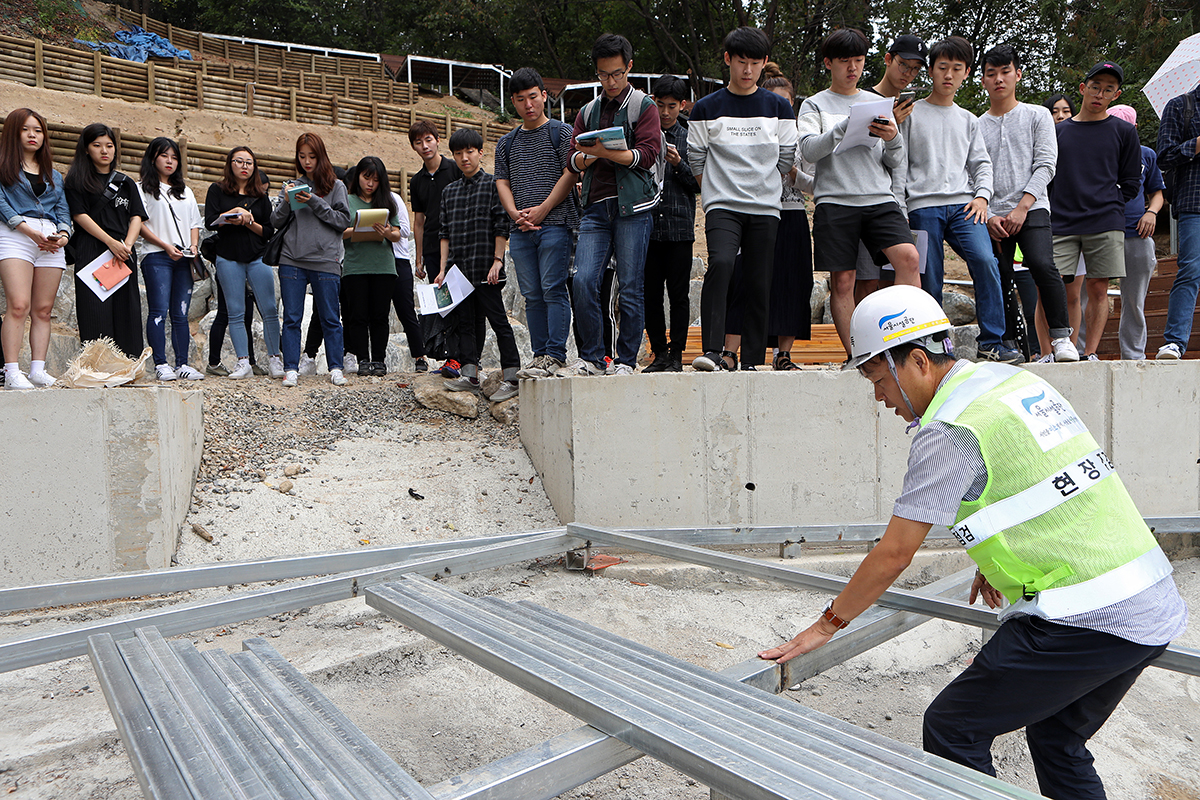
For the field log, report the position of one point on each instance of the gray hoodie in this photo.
(314, 239)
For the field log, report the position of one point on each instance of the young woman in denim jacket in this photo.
(36, 227)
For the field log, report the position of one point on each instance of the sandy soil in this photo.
(438, 714)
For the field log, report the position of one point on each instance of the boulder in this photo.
(964, 338)
(491, 383)
(818, 300)
(430, 392)
(491, 354)
(958, 307)
(698, 268)
(506, 412)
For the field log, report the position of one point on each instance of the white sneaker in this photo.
(308, 365)
(350, 363)
(242, 370)
(291, 378)
(337, 378)
(164, 372)
(17, 380)
(42, 378)
(189, 373)
(578, 367)
(621, 369)
(1049, 358)
(276, 364)
(1169, 352)
(1064, 349)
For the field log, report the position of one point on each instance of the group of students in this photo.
(51, 221)
(1056, 191)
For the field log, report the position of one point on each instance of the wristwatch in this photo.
(829, 616)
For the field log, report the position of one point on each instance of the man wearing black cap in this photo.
(904, 60)
(1099, 171)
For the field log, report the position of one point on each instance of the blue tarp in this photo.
(138, 45)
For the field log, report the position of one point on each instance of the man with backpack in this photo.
(1178, 148)
(535, 188)
(622, 182)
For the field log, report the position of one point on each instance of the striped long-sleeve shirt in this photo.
(740, 146)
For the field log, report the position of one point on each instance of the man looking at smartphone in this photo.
(903, 61)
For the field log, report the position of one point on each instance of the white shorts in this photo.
(14, 244)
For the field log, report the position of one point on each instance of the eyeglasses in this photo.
(615, 75)
(908, 69)
(1100, 91)
(241, 162)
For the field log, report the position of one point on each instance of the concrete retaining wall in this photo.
(813, 447)
(94, 481)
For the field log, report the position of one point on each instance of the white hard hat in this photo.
(892, 316)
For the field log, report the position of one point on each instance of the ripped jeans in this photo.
(168, 296)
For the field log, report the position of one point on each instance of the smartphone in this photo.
(907, 97)
(879, 121)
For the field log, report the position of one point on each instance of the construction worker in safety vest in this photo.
(1003, 460)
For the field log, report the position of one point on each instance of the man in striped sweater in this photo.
(741, 140)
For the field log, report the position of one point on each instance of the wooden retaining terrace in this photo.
(33, 63)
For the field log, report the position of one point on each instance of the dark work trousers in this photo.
(1037, 248)
(366, 307)
(726, 231)
(402, 299)
(466, 338)
(1028, 292)
(315, 336)
(1058, 682)
(608, 309)
(216, 336)
(669, 264)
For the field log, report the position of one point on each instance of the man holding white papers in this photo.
(853, 188)
(473, 237)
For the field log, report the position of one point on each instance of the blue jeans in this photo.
(233, 276)
(168, 295)
(971, 241)
(1182, 305)
(603, 232)
(325, 287)
(540, 259)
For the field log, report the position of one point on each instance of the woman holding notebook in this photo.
(107, 210)
(313, 207)
(238, 209)
(37, 225)
(369, 268)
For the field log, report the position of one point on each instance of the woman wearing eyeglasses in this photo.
(238, 209)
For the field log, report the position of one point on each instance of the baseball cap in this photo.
(1105, 66)
(910, 46)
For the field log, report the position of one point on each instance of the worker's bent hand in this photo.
(805, 642)
(981, 586)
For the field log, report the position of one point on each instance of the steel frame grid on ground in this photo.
(585, 752)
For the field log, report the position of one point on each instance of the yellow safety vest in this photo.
(1054, 520)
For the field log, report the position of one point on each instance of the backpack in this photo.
(557, 129)
(1168, 175)
(658, 169)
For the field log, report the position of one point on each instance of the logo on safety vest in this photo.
(1048, 416)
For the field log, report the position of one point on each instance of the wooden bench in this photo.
(823, 348)
(741, 741)
(247, 726)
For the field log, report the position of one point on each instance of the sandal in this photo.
(729, 359)
(783, 362)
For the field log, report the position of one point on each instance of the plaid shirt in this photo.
(675, 214)
(1177, 151)
(472, 218)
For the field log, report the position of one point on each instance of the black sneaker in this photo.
(421, 365)
(676, 364)
(662, 363)
(709, 362)
(749, 368)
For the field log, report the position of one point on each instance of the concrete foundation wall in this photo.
(813, 447)
(94, 481)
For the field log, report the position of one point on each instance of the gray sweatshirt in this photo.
(314, 239)
(948, 162)
(1024, 151)
(860, 176)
